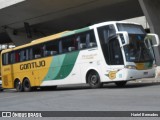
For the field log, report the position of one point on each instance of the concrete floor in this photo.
(136, 96)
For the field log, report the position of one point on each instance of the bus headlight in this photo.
(130, 67)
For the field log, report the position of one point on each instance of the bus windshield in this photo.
(137, 50)
(131, 28)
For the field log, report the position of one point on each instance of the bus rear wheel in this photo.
(18, 86)
(121, 84)
(26, 85)
(93, 80)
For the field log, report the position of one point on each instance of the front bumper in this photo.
(133, 74)
(128, 75)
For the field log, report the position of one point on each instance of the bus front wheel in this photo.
(121, 84)
(93, 80)
(26, 85)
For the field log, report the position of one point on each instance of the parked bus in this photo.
(114, 52)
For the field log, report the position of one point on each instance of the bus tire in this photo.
(18, 86)
(26, 85)
(121, 84)
(93, 79)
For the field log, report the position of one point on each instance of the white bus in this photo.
(114, 52)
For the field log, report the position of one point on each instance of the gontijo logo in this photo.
(32, 65)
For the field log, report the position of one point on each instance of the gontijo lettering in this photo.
(32, 65)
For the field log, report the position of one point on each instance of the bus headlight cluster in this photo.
(130, 67)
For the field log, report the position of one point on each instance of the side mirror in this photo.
(154, 38)
(123, 37)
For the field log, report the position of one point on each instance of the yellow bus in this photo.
(105, 52)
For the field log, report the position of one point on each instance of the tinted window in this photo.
(5, 60)
(24, 55)
(86, 40)
(51, 48)
(68, 44)
(38, 51)
(12, 57)
(110, 45)
(105, 34)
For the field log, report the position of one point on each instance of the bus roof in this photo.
(112, 22)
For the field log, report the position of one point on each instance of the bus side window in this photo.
(64, 45)
(60, 46)
(5, 59)
(24, 55)
(73, 44)
(87, 40)
(69, 44)
(82, 42)
(51, 48)
(37, 51)
(27, 54)
(30, 52)
(78, 41)
(12, 57)
(91, 40)
(8, 58)
(17, 56)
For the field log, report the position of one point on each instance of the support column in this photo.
(151, 9)
(19, 38)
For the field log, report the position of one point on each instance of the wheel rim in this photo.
(18, 86)
(26, 84)
(93, 79)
